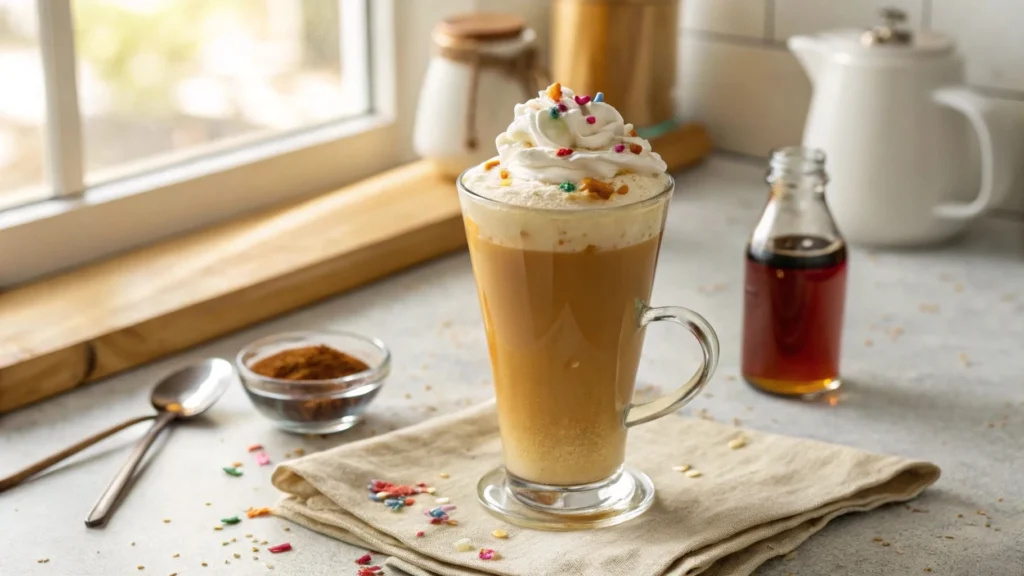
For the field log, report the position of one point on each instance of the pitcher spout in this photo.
(810, 53)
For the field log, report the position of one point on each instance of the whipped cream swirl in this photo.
(537, 144)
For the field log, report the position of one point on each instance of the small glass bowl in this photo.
(315, 406)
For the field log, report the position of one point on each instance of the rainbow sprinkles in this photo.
(573, 142)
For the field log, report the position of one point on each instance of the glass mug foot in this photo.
(622, 497)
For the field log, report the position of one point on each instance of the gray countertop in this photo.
(932, 369)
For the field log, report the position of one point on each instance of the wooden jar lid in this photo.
(481, 26)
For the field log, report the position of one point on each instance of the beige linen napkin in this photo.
(750, 504)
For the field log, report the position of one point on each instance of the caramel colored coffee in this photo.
(564, 345)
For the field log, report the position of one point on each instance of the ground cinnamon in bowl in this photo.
(309, 363)
(313, 382)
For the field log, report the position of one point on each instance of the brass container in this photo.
(624, 48)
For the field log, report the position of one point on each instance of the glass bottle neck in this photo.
(796, 213)
(797, 172)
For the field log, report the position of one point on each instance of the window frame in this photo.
(80, 223)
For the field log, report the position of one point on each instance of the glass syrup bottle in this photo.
(795, 286)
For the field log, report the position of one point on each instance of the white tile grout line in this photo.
(996, 92)
(1007, 214)
(769, 20)
(737, 39)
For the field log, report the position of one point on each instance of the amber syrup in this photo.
(795, 291)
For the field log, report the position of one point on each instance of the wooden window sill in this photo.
(110, 316)
(98, 320)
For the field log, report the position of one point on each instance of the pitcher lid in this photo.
(889, 39)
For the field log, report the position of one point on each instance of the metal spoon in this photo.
(183, 394)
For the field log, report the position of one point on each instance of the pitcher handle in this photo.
(705, 334)
(996, 143)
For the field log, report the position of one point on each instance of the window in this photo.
(22, 106)
(216, 72)
(123, 121)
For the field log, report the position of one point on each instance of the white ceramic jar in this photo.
(483, 66)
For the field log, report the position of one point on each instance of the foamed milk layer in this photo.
(544, 196)
(561, 225)
(553, 144)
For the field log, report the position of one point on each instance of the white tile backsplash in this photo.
(751, 99)
(809, 16)
(735, 17)
(990, 35)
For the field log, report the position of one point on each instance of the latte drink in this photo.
(564, 228)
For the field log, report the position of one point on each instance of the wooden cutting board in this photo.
(683, 147)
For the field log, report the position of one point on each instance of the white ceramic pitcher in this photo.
(888, 110)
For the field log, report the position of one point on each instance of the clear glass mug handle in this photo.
(705, 335)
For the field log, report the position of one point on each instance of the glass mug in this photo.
(564, 296)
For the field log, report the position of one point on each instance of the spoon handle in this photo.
(104, 507)
(20, 476)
